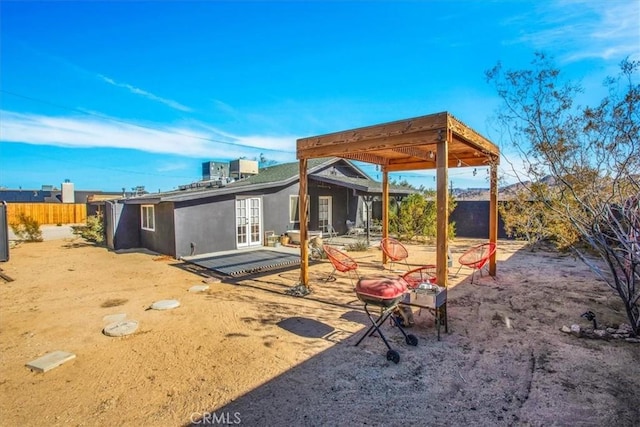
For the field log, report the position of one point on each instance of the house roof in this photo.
(275, 176)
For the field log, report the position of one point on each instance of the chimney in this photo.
(68, 192)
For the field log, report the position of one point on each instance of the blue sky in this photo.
(114, 95)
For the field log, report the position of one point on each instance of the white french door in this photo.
(324, 213)
(248, 224)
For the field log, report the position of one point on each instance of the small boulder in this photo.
(600, 333)
(575, 330)
(625, 328)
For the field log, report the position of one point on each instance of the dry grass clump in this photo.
(113, 302)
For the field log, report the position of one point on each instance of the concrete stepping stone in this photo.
(199, 288)
(50, 361)
(165, 304)
(111, 318)
(120, 328)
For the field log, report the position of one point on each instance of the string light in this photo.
(475, 171)
(431, 154)
(459, 162)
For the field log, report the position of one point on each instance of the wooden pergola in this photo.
(437, 141)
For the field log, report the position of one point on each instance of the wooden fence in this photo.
(48, 213)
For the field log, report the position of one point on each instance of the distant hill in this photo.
(504, 193)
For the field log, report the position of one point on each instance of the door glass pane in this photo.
(241, 221)
(324, 213)
(255, 220)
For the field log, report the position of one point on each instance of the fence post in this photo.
(4, 233)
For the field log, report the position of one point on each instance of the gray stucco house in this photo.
(237, 215)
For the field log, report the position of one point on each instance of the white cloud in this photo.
(204, 142)
(144, 93)
(170, 167)
(582, 29)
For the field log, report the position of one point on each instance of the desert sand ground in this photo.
(244, 352)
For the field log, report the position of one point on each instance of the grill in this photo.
(385, 293)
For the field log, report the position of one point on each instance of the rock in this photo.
(625, 328)
(633, 340)
(575, 330)
(600, 333)
(611, 330)
(565, 329)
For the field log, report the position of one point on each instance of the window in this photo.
(148, 217)
(294, 212)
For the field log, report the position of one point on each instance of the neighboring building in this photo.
(67, 199)
(51, 195)
(236, 215)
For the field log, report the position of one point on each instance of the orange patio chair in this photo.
(394, 250)
(341, 262)
(477, 257)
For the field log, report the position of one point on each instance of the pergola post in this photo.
(368, 203)
(442, 211)
(302, 209)
(385, 208)
(493, 215)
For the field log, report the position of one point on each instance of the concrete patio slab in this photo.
(50, 361)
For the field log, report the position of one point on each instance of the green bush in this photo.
(93, 231)
(27, 229)
(416, 217)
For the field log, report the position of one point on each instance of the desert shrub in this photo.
(589, 157)
(27, 229)
(531, 216)
(93, 231)
(357, 246)
(416, 217)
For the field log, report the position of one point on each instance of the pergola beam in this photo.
(365, 157)
(410, 164)
(366, 144)
(415, 152)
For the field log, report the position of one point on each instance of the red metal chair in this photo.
(394, 250)
(424, 274)
(477, 257)
(341, 262)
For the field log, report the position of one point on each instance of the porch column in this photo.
(302, 209)
(493, 215)
(385, 208)
(442, 208)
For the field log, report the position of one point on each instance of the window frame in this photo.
(148, 212)
(296, 197)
